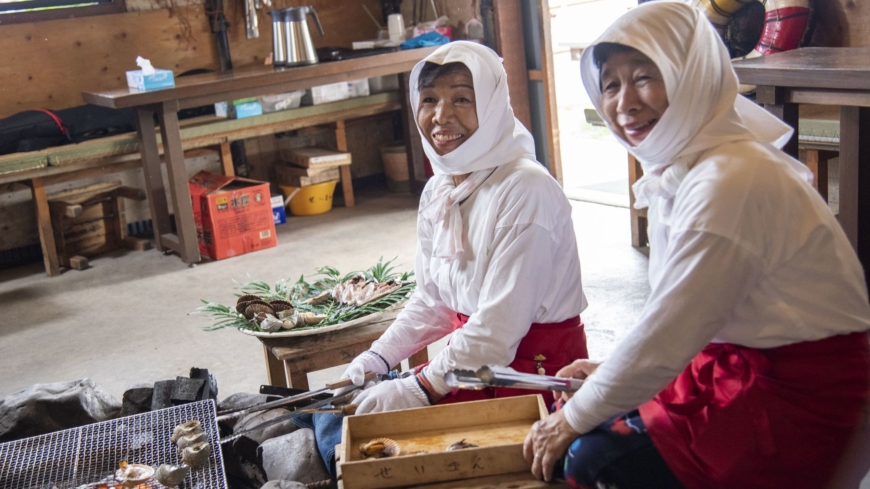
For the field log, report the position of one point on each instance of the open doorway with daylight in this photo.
(594, 164)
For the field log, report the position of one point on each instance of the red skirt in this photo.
(560, 343)
(744, 418)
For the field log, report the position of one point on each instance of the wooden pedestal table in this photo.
(825, 76)
(206, 89)
(289, 360)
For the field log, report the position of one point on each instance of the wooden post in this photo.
(509, 38)
(773, 99)
(274, 368)
(157, 202)
(346, 180)
(549, 81)
(413, 143)
(188, 247)
(227, 159)
(43, 223)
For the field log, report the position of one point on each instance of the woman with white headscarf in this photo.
(497, 265)
(750, 365)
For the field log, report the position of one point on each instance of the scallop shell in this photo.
(196, 455)
(311, 319)
(271, 324)
(132, 475)
(244, 301)
(189, 428)
(380, 448)
(188, 440)
(254, 307)
(279, 306)
(172, 475)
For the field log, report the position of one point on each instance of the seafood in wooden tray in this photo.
(380, 448)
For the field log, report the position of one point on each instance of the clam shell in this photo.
(188, 440)
(279, 306)
(311, 319)
(171, 475)
(380, 448)
(254, 307)
(196, 455)
(132, 475)
(292, 320)
(319, 298)
(189, 428)
(271, 324)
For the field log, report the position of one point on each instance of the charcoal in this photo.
(162, 394)
(136, 401)
(210, 390)
(186, 390)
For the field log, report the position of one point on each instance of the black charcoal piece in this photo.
(210, 390)
(136, 401)
(162, 395)
(186, 390)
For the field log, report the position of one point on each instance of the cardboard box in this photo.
(279, 213)
(295, 176)
(326, 93)
(143, 83)
(315, 157)
(282, 101)
(233, 215)
(498, 426)
(239, 109)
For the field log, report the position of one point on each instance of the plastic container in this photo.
(281, 101)
(311, 200)
(395, 160)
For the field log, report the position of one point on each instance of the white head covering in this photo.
(704, 109)
(500, 138)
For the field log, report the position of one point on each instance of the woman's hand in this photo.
(579, 369)
(547, 442)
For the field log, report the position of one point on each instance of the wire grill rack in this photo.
(87, 457)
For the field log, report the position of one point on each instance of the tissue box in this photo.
(279, 214)
(160, 79)
(239, 109)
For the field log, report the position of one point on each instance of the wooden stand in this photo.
(90, 221)
(289, 360)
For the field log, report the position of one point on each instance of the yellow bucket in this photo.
(310, 200)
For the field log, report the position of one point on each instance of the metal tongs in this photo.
(505, 377)
(317, 407)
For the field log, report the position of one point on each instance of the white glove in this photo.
(365, 362)
(392, 395)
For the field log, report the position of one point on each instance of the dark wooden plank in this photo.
(153, 175)
(46, 233)
(260, 80)
(788, 113)
(179, 189)
(346, 180)
(855, 180)
(828, 68)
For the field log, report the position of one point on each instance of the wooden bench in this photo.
(290, 360)
(40, 169)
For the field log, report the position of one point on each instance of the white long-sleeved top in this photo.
(520, 266)
(746, 252)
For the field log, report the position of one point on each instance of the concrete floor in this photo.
(125, 321)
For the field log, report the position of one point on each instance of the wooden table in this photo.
(289, 360)
(199, 90)
(825, 76)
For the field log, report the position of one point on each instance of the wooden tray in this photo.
(498, 426)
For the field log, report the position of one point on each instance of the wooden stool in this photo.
(90, 221)
(289, 360)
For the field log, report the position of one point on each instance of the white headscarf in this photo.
(500, 138)
(704, 109)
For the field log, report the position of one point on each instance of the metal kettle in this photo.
(299, 45)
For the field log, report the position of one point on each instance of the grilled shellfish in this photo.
(196, 455)
(172, 475)
(380, 448)
(192, 427)
(132, 475)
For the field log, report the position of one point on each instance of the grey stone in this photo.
(284, 485)
(275, 430)
(293, 457)
(242, 400)
(43, 408)
(136, 401)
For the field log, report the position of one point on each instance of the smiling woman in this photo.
(447, 114)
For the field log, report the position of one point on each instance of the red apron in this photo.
(560, 343)
(740, 417)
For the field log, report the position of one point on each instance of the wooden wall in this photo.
(47, 64)
(842, 23)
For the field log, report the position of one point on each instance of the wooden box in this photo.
(295, 176)
(498, 426)
(315, 157)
